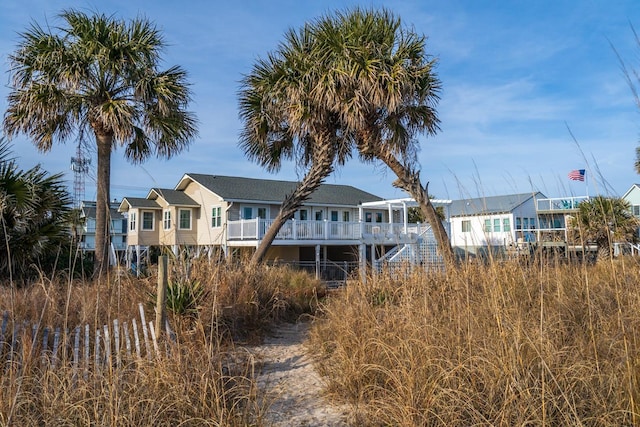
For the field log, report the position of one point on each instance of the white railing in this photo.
(560, 203)
(255, 229)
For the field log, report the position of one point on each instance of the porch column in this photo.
(362, 258)
(138, 260)
(317, 261)
(405, 217)
(390, 213)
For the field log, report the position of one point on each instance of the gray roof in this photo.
(266, 190)
(90, 212)
(140, 202)
(174, 197)
(491, 204)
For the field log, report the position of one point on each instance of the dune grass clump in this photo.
(498, 344)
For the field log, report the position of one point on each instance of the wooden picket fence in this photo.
(82, 348)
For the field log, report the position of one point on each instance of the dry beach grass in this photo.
(502, 343)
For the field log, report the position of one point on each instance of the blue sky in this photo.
(531, 90)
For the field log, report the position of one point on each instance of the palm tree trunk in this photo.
(319, 171)
(409, 181)
(103, 183)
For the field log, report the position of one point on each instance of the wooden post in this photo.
(161, 303)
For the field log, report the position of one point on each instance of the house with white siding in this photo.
(480, 223)
(86, 230)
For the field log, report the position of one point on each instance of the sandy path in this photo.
(293, 388)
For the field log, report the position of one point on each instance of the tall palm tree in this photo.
(282, 123)
(370, 80)
(604, 220)
(99, 76)
(384, 89)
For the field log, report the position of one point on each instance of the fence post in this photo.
(161, 310)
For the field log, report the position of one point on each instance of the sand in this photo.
(293, 389)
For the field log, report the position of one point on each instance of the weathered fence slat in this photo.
(145, 333)
(152, 329)
(54, 349)
(24, 344)
(116, 338)
(127, 339)
(136, 337)
(107, 345)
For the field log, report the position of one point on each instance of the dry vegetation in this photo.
(205, 381)
(498, 344)
(501, 344)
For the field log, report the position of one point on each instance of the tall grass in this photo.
(498, 344)
(207, 380)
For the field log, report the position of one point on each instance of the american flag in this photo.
(577, 175)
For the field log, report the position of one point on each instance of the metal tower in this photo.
(80, 168)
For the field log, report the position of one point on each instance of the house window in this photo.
(166, 220)
(318, 215)
(487, 225)
(334, 215)
(216, 216)
(635, 209)
(304, 214)
(496, 225)
(345, 216)
(250, 212)
(247, 213)
(378, 216)
(518, 223)
(132, 221)
(532, 223)
(525, 223)
(466, 226)
(185, 219)
(367, 217)
(506, 224)
(147, 221)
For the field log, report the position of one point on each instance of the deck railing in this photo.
(255, 229)
(559, 203)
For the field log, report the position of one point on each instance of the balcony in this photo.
(560, 204)
(296, 230)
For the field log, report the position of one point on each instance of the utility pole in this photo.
(80, 168)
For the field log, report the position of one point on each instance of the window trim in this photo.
(180, 211)
(153, 220)
(216, 220)
(133, 223)
(466, 225)
(166, 218)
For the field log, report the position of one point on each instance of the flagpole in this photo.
(586, 181)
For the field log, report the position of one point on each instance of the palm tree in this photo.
(34, 209)
(98, 75)
(369, 81)
(386, 94)
(282, 123)
(605, 220)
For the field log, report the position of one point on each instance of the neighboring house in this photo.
(632, 196)
(494, 221)
(230, 215)
(86, 231)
